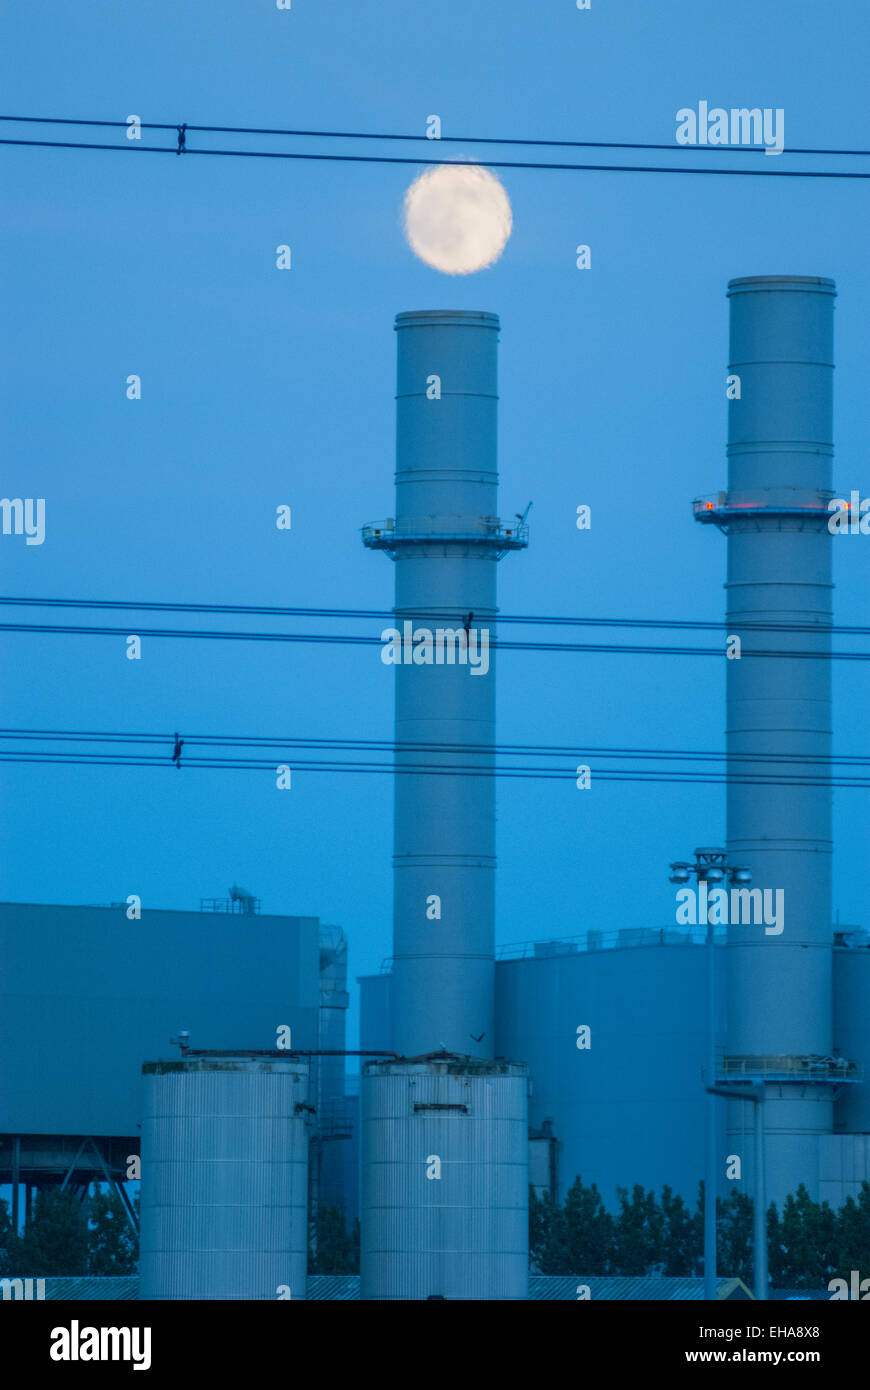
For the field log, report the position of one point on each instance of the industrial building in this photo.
(572, 1056)
(87, 995)
(643, 1075)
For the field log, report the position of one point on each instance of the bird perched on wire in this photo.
(466, 623)
(176, 752)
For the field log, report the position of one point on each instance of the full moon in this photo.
(457, 218)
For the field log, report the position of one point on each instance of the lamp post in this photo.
(710, 866)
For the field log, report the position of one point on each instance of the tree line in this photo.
(66, 1237)
(808, 1243)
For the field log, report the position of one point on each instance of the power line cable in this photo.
(402, 764)
(573, 750)
(470, 163)
(443, 139)
(324, 638)
(261, 609)
(541, 774)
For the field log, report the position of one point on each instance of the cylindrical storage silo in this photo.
(224, 1178)
(444, 1198)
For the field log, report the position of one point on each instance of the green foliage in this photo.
(683, 1237)
(543, 1242)
(808, 1244)
(332, 1249)
(588, 1229)
(56, 1241)
(852, 1238)
(639, 1236)
(6, 1240)
(113, 1248)
(578, 1235)
(61, 1240)
(801, 1244)
(734, 1239)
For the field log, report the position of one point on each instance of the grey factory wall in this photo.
(86, 996)
(375, 1024)
(852, 1034)
(630, 1107)
(618, 1106)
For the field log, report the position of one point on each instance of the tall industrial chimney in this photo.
(779, 573)
(445, 539)
(444, 1136)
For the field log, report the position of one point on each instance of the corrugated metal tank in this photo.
(224, 1178)
(444, 1180)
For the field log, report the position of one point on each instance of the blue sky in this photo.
(261, 387)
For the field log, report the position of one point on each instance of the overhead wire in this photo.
(393, 745)
(276, 610)
(403, 764)
(355, 639)
(541, 774)
(470, 163)
(442, 139)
